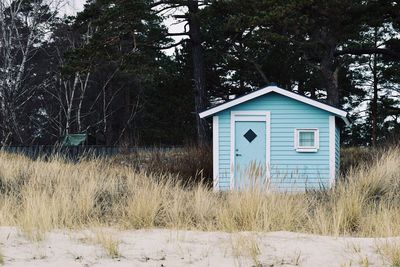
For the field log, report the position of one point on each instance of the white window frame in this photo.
(313, 148)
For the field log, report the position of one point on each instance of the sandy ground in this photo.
(170, 248)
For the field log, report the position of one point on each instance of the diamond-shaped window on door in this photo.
(250, 135)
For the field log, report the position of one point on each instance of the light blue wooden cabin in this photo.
(277, 138)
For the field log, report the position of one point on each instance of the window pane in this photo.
(306, 139)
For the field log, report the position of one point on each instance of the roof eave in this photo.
(235, 102)
(338, 112)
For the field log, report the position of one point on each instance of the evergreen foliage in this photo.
(106, 72)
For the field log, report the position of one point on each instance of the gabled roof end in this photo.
(338, 112)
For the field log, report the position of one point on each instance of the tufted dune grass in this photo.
(40, 195)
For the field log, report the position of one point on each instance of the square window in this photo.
(306, 140)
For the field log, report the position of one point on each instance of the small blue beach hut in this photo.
(277, 138)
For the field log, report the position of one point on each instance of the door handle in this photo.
(238, 155)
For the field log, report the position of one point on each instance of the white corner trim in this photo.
(232, 153)
(269, 89)
(250, 116)
(299, 148)
(332, 147)
(216, 153)
(268, 155)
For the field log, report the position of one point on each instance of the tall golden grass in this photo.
(42, 195)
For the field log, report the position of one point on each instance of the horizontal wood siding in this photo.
(224, 150)
(337, 151)
(290, 170)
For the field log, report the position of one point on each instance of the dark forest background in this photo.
(106, 71)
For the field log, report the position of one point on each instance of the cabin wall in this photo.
(290, 170)
(337, 151)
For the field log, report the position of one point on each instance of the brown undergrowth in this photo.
(42, 195)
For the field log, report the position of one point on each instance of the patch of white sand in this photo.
(171, 248)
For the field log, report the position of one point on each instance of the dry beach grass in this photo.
(41, 195)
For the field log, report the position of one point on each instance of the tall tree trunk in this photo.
(69, 98)
(83, 85)
(329, 71)
(329, 68)
(199, 81)
(374, 104)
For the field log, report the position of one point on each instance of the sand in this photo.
(171, 248)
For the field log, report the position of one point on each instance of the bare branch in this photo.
(172, 45)
(367, 51)
(178, 34)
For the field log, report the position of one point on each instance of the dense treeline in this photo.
(106, 71)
